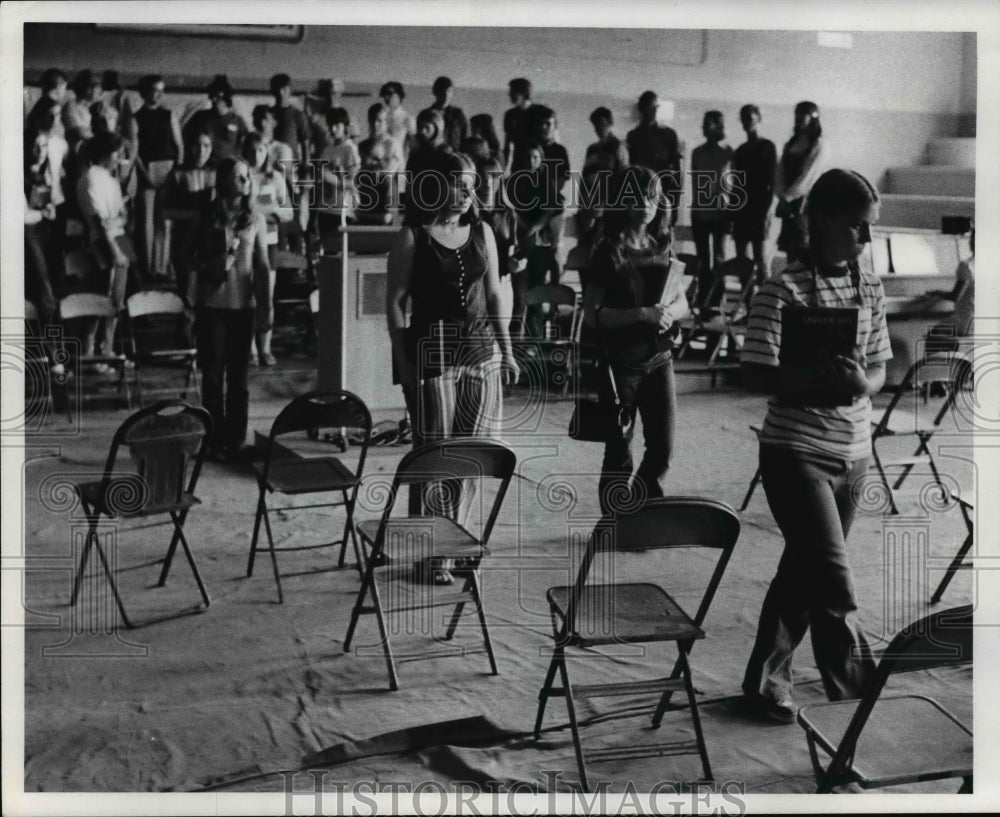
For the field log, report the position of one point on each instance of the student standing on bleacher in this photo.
(456, 126)
(812, 453)
(802, 161)
(220, 120)
(291, 127)
(710, 164)
(657, 147)
(515, 124)
(757, 162)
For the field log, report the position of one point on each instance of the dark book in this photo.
(810, 335)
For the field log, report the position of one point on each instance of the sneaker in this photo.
(267, 359)
(778, 708)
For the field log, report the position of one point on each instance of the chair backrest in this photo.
(286, 259)
(322, 408)
(739, 267)
(154, 302)
(940, 639)
(167, 442)
(578, 258)
(669, 522)
(80, 263)
(552, 294)
(86, 305)
(459, 458)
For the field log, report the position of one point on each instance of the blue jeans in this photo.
(652, 395)
(810, 497)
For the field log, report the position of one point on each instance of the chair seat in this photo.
(124, 495)
(906, 738)
(423, 536)
(612, 613)
(309, 475)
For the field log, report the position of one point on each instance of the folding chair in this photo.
(888, 424)
(286, 472)
(38, 362)
(160, 335)
(553, 347)
(691, 267)
(958, 562)
(404, 539)
(292, 288)
(589, 615)
(167, 442)
(888, 740)
(736, 276)
(89, 305)
(755, 481)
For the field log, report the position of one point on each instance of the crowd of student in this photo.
(211, 200)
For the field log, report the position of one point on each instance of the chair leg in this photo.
(383, 632)
(256, 532)
(111, 581)
(949, 574)
(477, 596)
(87, 545)
(179, 525)
(893, 510)
(574, 727)
(366, 581)
(753, 487)
(695, 717)
(543, 695)
(274, 555)
(170, 553)
(348, 528)
(138, 386)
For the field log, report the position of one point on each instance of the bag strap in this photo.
(607, 359)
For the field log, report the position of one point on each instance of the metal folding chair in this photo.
(889, 740)
(591, 615)
(160, 336)
(167, 443)
(554, 347)
(89, 305)
(398, 541)
(732, 309)
(888, 424)
(286, 472)
(958, 561)
(755, 480)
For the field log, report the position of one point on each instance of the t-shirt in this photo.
(290, 126)
(100, 198)
(227, 131)
(757, 161)
(401, 127)
(58, 150)
(456, 126)
(843, 432)
(709, 163)
(658, 148)
(556, 159)
(281, 156)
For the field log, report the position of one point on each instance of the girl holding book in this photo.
(633, 323)
(812, 448)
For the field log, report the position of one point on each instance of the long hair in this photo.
(836, 193)
(813, 129)
(482, 123)
(424, 203)
(626, 186)
(217, 215)
(250, 144)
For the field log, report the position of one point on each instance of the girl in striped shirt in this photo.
(810, 455)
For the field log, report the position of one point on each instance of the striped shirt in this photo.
(841, 431)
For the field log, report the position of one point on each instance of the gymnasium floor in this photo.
(227, 698)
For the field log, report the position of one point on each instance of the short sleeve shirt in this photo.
(843, 432)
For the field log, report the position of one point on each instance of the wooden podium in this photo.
(354, 349)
